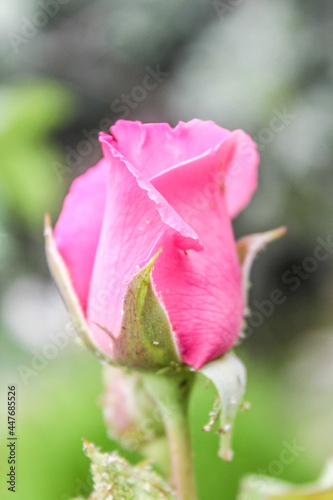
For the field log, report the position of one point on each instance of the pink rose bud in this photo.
(147, 239)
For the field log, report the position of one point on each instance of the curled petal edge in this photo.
(64, 283)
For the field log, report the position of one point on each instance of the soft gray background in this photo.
(240, 63)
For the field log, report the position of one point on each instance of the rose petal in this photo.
(79, 225)
(136, 218)
(241, 158)
(202, 291)
(154, 147)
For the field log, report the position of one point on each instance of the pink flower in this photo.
(170, 189)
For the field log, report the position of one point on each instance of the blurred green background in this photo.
(69, 68)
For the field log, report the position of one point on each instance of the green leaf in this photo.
(30, 111)
(259, 487)
(323, 495)
(114, 478)
(229, 377)
(146, 341)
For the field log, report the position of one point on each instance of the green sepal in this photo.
(146, 340)
(114, 477)
(229, 377)
(248, 247)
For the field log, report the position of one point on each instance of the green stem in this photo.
(172, 396)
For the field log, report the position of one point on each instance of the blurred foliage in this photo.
(29, 114)
(60, 405)
(138, 482)
(255, 487)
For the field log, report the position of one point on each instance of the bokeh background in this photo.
(71, 67)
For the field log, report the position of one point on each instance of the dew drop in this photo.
(246, 406)
(227, 455)
(226, 428)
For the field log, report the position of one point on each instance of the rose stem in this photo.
(172, 396)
